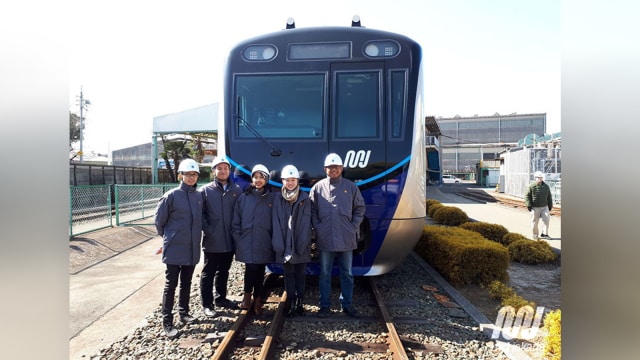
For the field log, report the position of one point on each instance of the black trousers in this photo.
(172, 274)
(294, 280)
(254, 279)
(215, 272)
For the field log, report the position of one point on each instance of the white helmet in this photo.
(289, 171)
(261, 168)
(220, 160)
(538, 174)
(188, 165)
(332, 159)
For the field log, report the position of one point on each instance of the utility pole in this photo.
(83, 102)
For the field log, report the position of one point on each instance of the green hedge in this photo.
(463, 256)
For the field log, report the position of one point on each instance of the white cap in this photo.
(332, 159)
(538, 174)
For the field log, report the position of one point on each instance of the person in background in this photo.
(539, 202)
(219, 198)
(292, 237)
(336, 213)
(251, 230)
(178, 220)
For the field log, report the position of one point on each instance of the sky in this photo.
(135, 60)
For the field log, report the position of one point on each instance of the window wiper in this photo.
(274, 150)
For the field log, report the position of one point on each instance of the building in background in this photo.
(467, 142)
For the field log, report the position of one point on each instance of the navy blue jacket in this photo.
(218, 215)
(292, 228)
(179, 221)
(251, 227)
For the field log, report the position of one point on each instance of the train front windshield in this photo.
(280, 106)
(293, 106)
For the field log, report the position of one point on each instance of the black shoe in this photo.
(545, 236)
(210, 312)
(226, 303)
(187, 319)
(170, 331)
(324, 312)
(351, 311)
(300, 310)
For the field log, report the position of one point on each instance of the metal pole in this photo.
(81, 124)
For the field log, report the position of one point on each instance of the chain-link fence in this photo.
(90, 208)
(136, 202)
(94, 207)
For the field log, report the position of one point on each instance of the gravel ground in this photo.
(451, 333)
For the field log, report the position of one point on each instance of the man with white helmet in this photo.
(292, 237)
(337, 209)
(251, 229)
(539, 202)
(178, 220)
(219, 197)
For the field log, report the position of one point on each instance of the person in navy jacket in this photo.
(219, 197)
(292, 237)
(178, 220)
(252, 229)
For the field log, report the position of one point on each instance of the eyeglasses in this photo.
(190, 175)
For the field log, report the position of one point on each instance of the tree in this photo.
(74, 128)
(176, 150)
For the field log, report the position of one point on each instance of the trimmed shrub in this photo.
(507, 295)
(430, 202)
(499, 291)
(462, 256)
(450, 215)
(531, 252)
(553, 340)
(517, 302)
(433, 208)
(510, 238)
(493, 232)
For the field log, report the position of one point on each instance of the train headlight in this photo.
(380, 49)
(259, 53)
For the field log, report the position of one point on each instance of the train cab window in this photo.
(357, 104)
(397, 106)
(280, 106)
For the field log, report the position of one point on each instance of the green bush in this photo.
(433, 208)
(499, 291)
(450, 215)
(507, 295)
(463, 256)
(531, 252)
(430, 202)
(510, 238)
(493, 232)
(517, 302)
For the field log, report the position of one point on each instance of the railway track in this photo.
(259, 337)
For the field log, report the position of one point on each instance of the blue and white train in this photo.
(296, 95)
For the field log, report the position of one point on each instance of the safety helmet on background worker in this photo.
(332, 159)
(538, 174)
(188, 165)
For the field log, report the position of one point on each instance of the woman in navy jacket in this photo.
(251, 231)
(292, 237)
